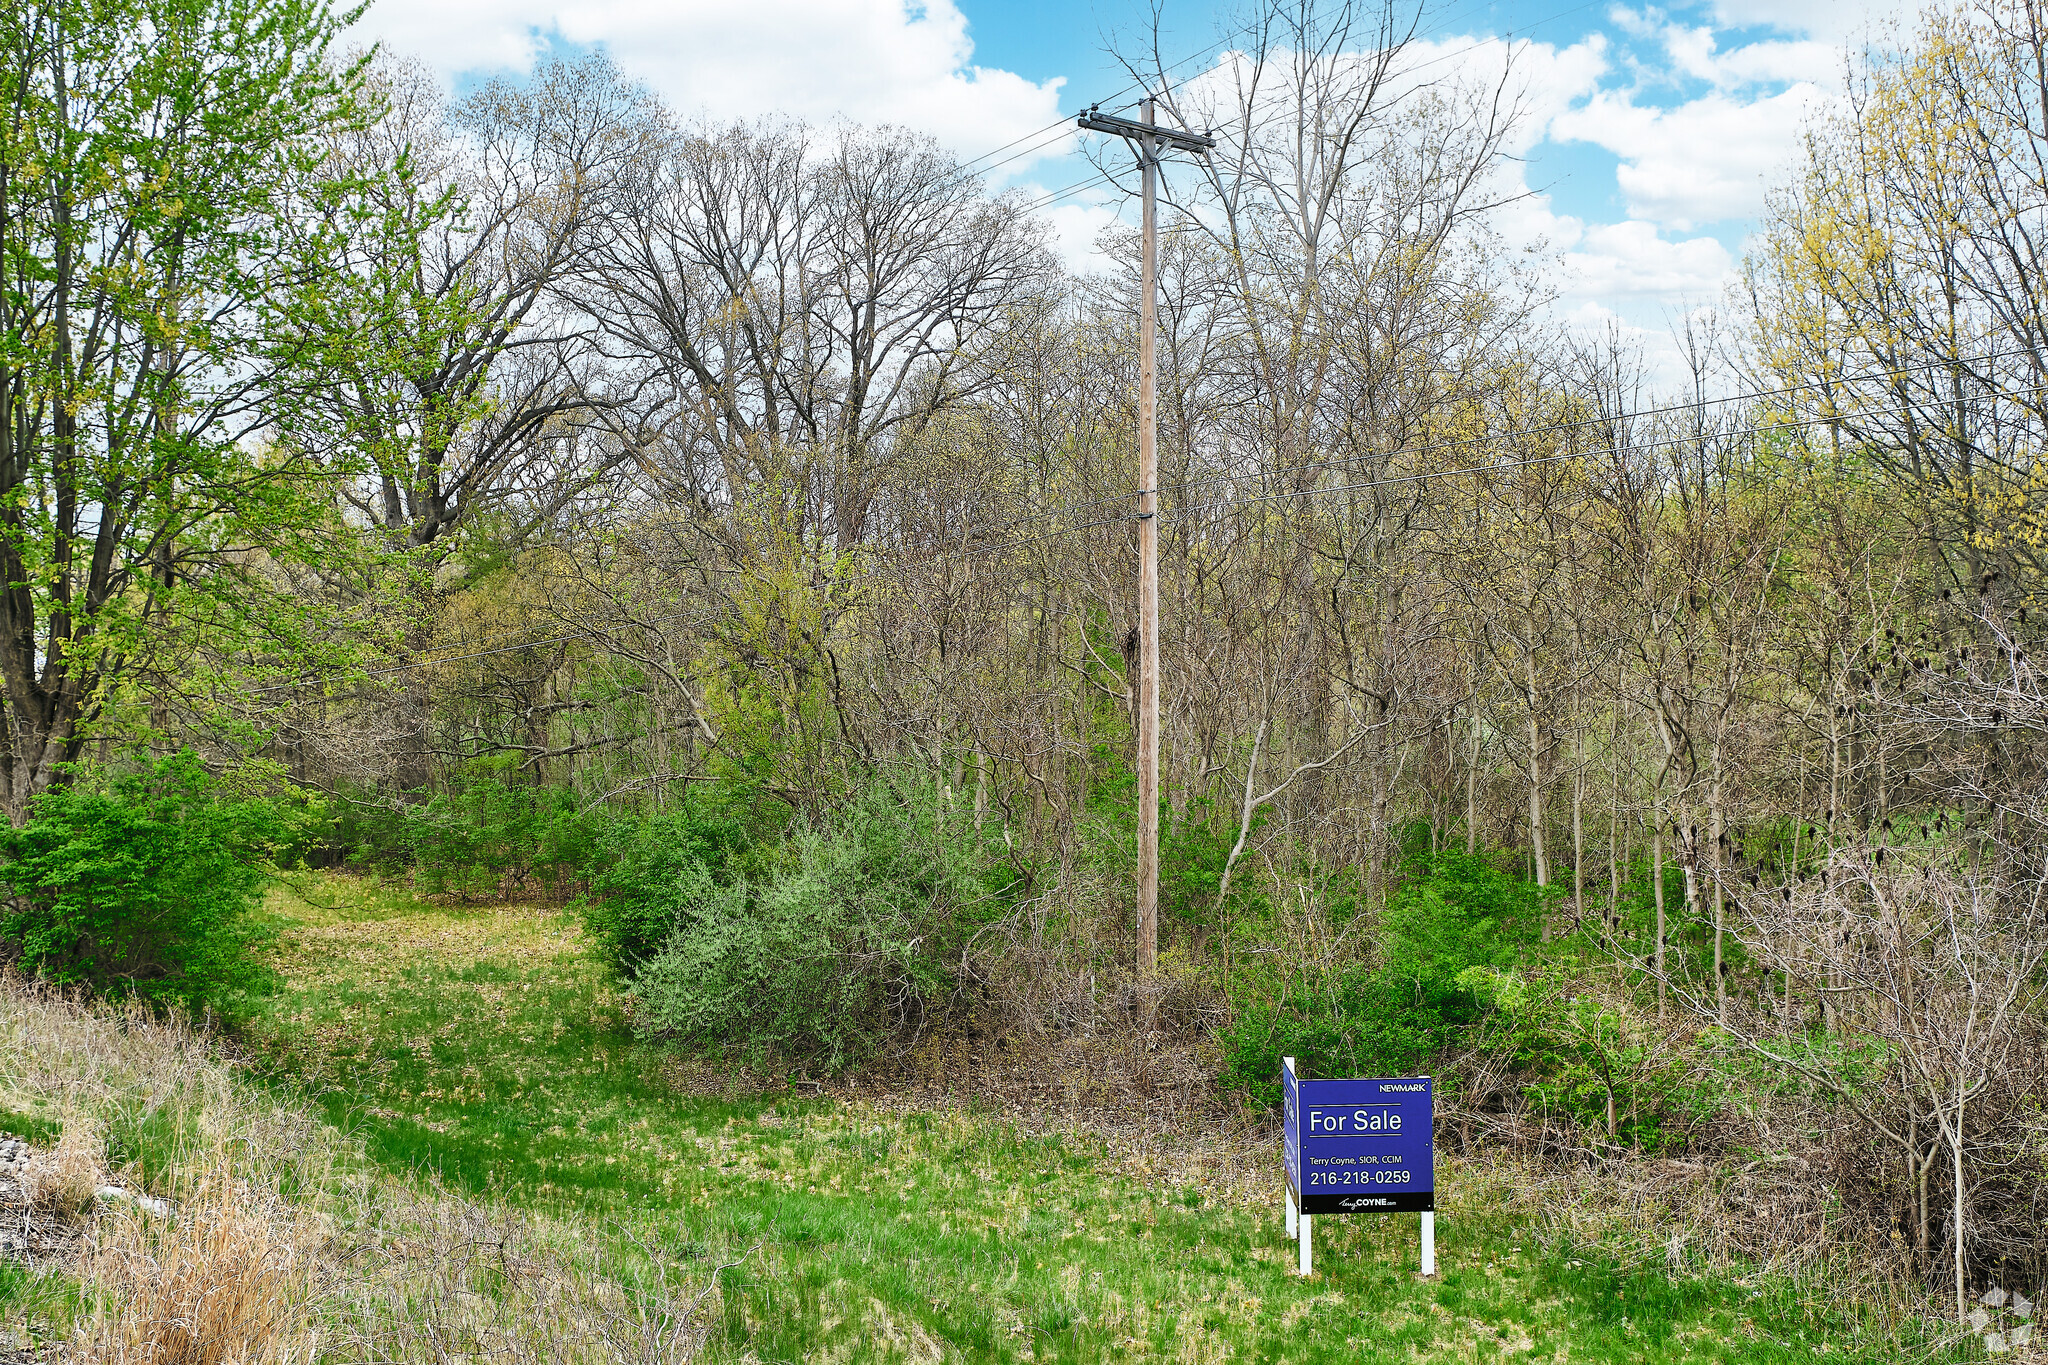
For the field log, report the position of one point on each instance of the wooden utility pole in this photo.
(1149, 141)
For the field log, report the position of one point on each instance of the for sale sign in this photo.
(1360, 1146)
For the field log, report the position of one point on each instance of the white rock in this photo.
(1993, 1298)
(1978, 1319)
(2020, 1336)
(1994, 1343)
(147, 1203)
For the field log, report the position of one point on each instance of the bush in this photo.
(1394, 1012)
(143, 881)
(848, 937)
(476, 837)
(1194, 848)
(647, 871)
(1593, 1061)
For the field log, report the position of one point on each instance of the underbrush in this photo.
(1400, 998)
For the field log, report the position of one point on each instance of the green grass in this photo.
(33, 1121)
(485, 1048)
(36, 1306)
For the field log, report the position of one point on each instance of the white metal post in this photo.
(1286, 1070)
(1428, 1244)
(1306, 1256)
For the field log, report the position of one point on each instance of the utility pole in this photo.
(1150, 142)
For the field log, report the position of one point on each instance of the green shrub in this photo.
(646, 871)
(486, 831)
(143, 880)
(847, 937)
(1194, 847)
(1592, 1060)
(489, 831)
(1394, 1012)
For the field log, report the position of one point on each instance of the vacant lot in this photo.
(481, 1047)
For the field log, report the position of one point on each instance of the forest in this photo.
(725, 535)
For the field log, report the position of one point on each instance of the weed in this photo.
(223, 1281)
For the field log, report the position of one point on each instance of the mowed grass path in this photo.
(484, 1047)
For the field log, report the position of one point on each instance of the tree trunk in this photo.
(1537, 853)
(1657, 886)
(1472, 788)
(1578, 817)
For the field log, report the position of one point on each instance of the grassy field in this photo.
(484, 1048)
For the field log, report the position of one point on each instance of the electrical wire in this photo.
(1555, 428)
(1058, 128)
(1053, 132)
(1064, 126)
(1048, 200)
(1754, 430)
(1495, 467)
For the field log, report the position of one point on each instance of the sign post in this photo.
(1359, 1146)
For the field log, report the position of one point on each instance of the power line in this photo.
(1051, 133)
(1012, 543)
(1048, 200)
(1554, 428)
(1752, 430)
(1495, 467)
(1059, 128)
(1064, 125)
(1077, 187)
(1697, 405)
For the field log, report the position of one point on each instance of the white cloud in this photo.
(1545, 79)
(1696, 52)
(1704, 161)
(1829, 21)
(873, 61)
(1076, 226)
(1631, 261)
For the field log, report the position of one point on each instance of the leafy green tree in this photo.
(148, 150)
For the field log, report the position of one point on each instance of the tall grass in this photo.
(276, 1242)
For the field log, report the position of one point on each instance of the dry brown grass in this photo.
(61, 1185)
(429, 1277)
(221, 1281)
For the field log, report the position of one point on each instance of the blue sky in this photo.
(1651, 135)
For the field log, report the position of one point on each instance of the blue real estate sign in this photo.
(1360, 1146)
